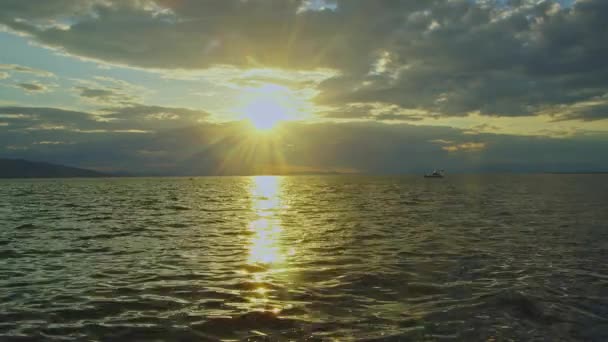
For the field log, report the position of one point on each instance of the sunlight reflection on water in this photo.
(265, 250)
(266, 228)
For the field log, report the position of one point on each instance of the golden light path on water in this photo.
(266, 228)
(266, 254)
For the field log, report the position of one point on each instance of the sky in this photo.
(195, 87)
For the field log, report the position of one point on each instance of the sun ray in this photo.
(253, 154)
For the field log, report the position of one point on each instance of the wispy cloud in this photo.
(35, 87)
(132, 118)
(105, 96)
(47, 142)
(108, 91)
(465, 147)
(25, 69)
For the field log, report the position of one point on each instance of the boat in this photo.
(434, 174)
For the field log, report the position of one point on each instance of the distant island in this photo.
(19, 168)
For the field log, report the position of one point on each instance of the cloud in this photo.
(46, 142)
(452, 146)
(133, 118)
(590, 110)
(439, 58)
(456, 58)
(25, 69)
(373, 111)
(482, 128)
(30, 87)
(351, 111)
(34, 87)
(16, 148)
(465, 147)
(108, 91)
(232, 148)
(441, 141)
(43, 118)
(397, 117)
(155, 113)
(104, 95)
(96, 93)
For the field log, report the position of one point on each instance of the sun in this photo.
(265, 113)
(267, 105)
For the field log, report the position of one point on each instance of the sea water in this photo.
(494, 257)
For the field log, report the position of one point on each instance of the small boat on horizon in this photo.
(434, 174)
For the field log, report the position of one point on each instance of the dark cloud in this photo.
(232, 148)
(595, 109)
(199, 34)
(459, 58)
(44, 10)
(597, 113)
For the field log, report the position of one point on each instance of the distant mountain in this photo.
(19, 168)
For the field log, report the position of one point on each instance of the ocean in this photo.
(348, 258)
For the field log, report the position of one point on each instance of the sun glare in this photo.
(268, 105)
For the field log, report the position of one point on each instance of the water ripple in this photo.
(305, 258)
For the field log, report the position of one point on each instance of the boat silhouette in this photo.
(434, 174)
